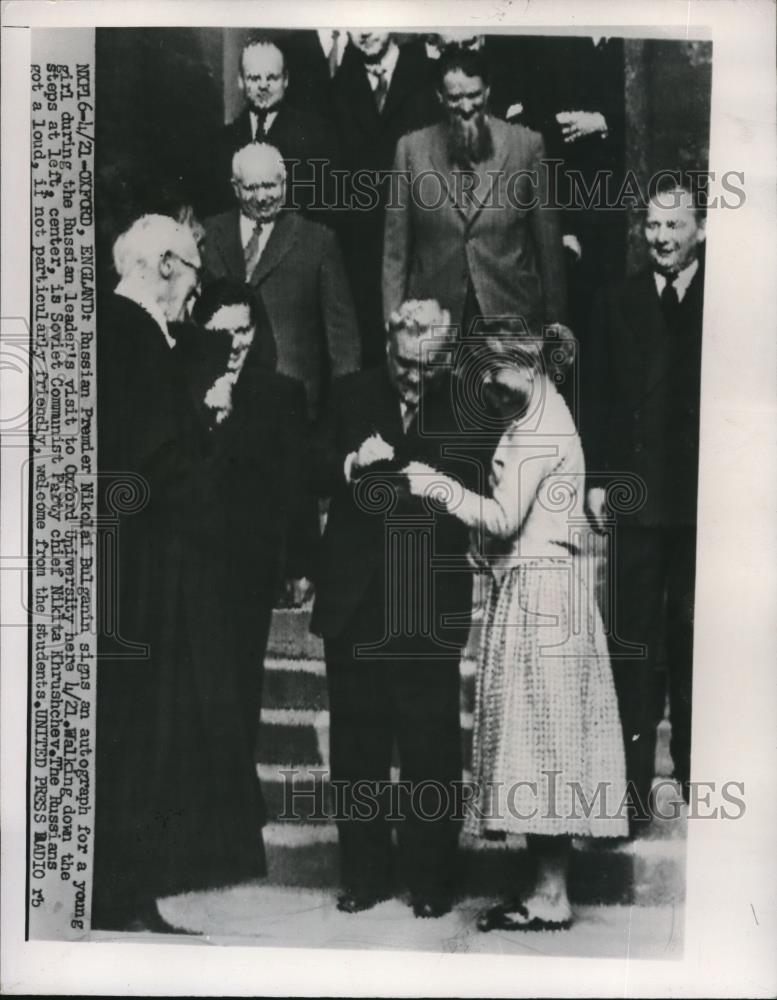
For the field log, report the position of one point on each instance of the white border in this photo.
(732, 870)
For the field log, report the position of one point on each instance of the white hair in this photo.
(258, 159)
(420, 318)
(149, 238)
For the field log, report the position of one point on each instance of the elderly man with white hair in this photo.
(294, 264)
(177, 803)
(393, 604)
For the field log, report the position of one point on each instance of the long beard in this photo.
(469, 142)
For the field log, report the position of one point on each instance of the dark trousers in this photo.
(653, 604)
(372, 704)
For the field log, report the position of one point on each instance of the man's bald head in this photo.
(259, 181)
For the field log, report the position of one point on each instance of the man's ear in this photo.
(240, 83)
(166, 264)
(486, 94)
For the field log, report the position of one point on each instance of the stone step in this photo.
(300, 737)
(649, 871)
(290, 636)
(301, 684)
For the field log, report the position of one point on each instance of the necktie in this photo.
(261, 122)
(252, 251)
(408, 416)
(669, 302)
(333, 53)
(381, 86)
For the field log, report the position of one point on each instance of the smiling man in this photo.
(641, 409)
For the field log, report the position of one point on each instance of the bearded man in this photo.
(470, 222)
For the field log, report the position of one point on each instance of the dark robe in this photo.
(176, 800)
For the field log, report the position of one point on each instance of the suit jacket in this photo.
(354, 547)
(368, 139)
(299, 136)
(302, 283)
(310, 85)
(641, 387)
(587, 77)
(434, 244)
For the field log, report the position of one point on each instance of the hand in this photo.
(596, 502)
(576, 124)
(219, 396)
(373, 449)
(298, 591)
(572, 243)
(420, 478)
(424, 481)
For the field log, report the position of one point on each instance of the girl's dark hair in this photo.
(454, 58)
(219, 293)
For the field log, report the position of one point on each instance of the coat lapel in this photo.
(403, 85)
(438, 157)
(648, 325)
(228, 245)
(488, 172)
(283, 237)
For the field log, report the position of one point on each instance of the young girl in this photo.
(548, 751)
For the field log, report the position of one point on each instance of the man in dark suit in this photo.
(468, 224)
(583, 121)
(393, 603)
(381, 91)
(296, 267)
(174, 769)
(314, 59)
(305, 140)
(641, 410)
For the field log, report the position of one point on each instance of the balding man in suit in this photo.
(296, 267)
(470, 223)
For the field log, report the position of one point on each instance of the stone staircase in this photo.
(301, 840)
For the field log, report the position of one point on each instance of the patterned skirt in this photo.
(547, 741)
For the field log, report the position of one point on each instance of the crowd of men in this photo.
(312, 296)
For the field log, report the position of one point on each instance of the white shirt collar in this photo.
(388, 64)
(271, 116)
(149, 305)
(680, 282)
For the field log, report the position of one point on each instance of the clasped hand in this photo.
(372, 449)
(576, 124)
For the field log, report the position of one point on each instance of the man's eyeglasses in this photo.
(197, 268)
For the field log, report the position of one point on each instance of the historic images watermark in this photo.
(327, 188)
(309, 795)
